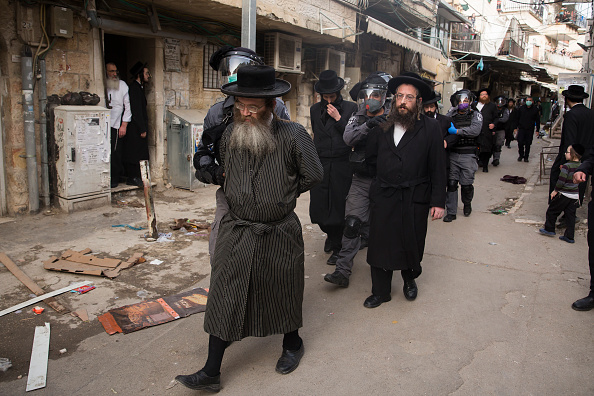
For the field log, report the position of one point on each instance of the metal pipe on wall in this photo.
(29, 129)
(45, 193)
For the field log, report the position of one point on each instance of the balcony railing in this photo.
(559, 60)
(571, 17)
(534, 6)
(465, 39)
(510, 47)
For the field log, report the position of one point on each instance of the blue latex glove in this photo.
(452, 129)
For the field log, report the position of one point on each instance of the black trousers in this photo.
(381, 280)
(562, 204)
(591, 245)
(117, 149)
(334, 235)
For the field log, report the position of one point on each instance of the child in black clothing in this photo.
(565, 196)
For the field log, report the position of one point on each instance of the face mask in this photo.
(462, 106)
(373, 105)
(528, 103)
(430, 114)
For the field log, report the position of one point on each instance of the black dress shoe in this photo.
(200, 381)
(495, 162)
(526, 159)
(135, 181)
(327, 246)
(410, 289)
(332, 259)
(519, 159)
(583, 304)
(289, 360)
(374, 301)
(467, 210)
(337, 278)
(486, 169)
(449, 217)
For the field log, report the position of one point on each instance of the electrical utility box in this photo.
(184, 130)
(61, 22)
(82, 160)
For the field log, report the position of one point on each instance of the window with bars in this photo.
(210, 76)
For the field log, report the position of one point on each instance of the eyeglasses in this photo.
(251, 108)
(568, 152)
(406, 98)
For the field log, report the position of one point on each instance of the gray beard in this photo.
(253, 137)
(113, 84)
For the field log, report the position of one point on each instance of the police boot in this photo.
(467, 193)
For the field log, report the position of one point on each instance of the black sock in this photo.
(216, 350)
(292, 341)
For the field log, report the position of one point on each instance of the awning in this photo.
(449, 14)
(389, 33)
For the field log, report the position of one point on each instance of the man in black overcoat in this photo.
(329, 117)
(406, 156)
(578, 127)
(528, 121)
(136, 147)
(489, 112)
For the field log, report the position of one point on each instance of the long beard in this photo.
(407, 120)
(113, 84)
(254, 137)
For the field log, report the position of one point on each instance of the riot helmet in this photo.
(387, 77)
(372, 93)
(462, 98)
(521, 102)
(501, 101)
(228, 59)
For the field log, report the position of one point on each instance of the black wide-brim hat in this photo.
(433, 98)
(329, 83)
(575, 92)
(487, 90)
(137, 68)
(256, 81)
(412, 79)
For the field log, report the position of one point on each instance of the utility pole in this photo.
(248, 24)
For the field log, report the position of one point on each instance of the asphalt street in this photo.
(493, 315)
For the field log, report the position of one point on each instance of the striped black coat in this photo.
(257, 280)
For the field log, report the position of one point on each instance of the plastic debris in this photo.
(156, 262)
(165, 237)
(83, 289)
(499, 211)
(492, 243)
(5, 364)
(18, 311)
(38, 310)
(171, 384)
(63, 351)
(129, 226)
(142, 294)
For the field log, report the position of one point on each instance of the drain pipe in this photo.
(29, 128)
(43, 135)
(112, 26)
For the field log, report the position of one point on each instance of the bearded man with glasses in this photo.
(405, 155)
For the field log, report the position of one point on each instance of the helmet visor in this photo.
(373, 94)
(229, 66)
(463, 97)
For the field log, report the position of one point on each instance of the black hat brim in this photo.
(332, 90)
(424, 90)
(281, 87)
(570, 95)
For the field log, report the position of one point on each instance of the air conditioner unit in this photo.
(283, 52)
(329, 59)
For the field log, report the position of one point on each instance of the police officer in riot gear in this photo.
(467, 124)
(226, 61)
(500, 126)
(372, 111)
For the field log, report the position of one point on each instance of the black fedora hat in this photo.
(137, 68)
(329, 83)
(487, 90)
(433, 98)
(575, 92)
(413, 79)
(256, 81)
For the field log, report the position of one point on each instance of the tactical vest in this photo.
(462, 121)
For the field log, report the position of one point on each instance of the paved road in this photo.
(493, 315)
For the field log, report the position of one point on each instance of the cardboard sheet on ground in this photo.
(84, 263)
(150, 313)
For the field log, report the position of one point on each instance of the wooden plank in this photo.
(43, 297)
(36, 378)
(145, 173)
(79, 257)
(30, 283)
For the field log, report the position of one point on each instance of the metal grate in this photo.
(210, 76)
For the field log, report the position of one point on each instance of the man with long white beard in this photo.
(119, 116)
(257, 279)
(406, 155)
